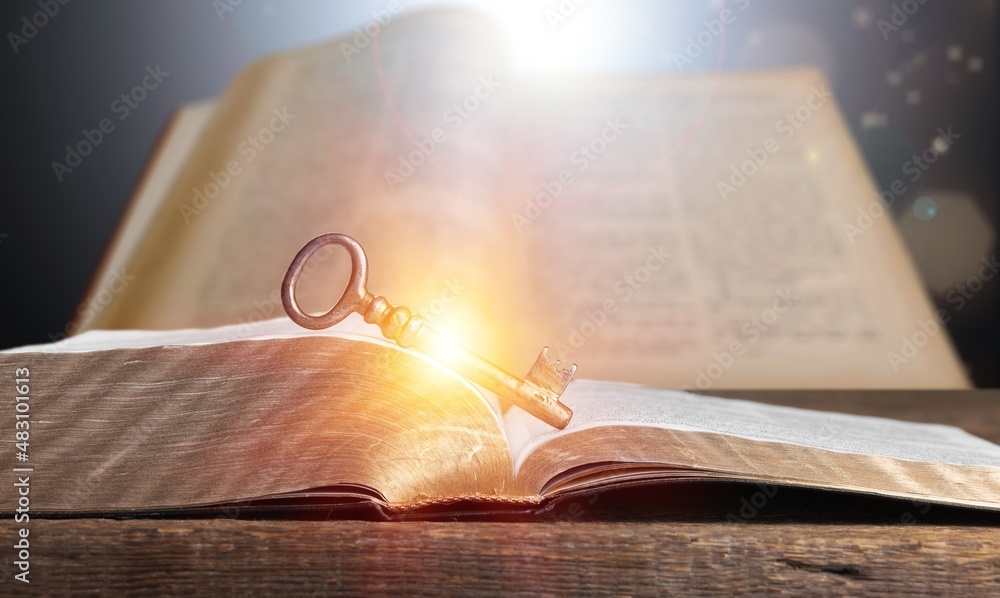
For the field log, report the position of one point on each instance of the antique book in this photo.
(152, 423)
(688, 231)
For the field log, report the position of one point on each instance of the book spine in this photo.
(524, 501)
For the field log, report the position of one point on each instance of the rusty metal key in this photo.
(538, 393)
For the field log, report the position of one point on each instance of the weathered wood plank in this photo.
(326, 558)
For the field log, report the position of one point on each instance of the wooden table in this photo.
(949, 553)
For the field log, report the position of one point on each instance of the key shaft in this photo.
(412, 331)
(522, 393)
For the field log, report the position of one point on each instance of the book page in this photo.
(692, 232)
(397, 143)
(628, 425)
(598, 404)
(353, 326)
(153, 428)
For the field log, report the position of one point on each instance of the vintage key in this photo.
(538, 393)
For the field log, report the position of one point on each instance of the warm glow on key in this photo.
(442, 347)
(466, 322)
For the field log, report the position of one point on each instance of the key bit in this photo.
(548, 377)
(538, 393)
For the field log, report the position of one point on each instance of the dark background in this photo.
(65, 77)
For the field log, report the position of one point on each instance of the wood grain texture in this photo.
(329, 558)
(653, 556)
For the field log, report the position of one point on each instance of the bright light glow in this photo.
(472, 323)
(465, 329)
(550, 43)
(543, 38)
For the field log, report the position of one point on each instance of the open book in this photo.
(690, 231)
(156, 422)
